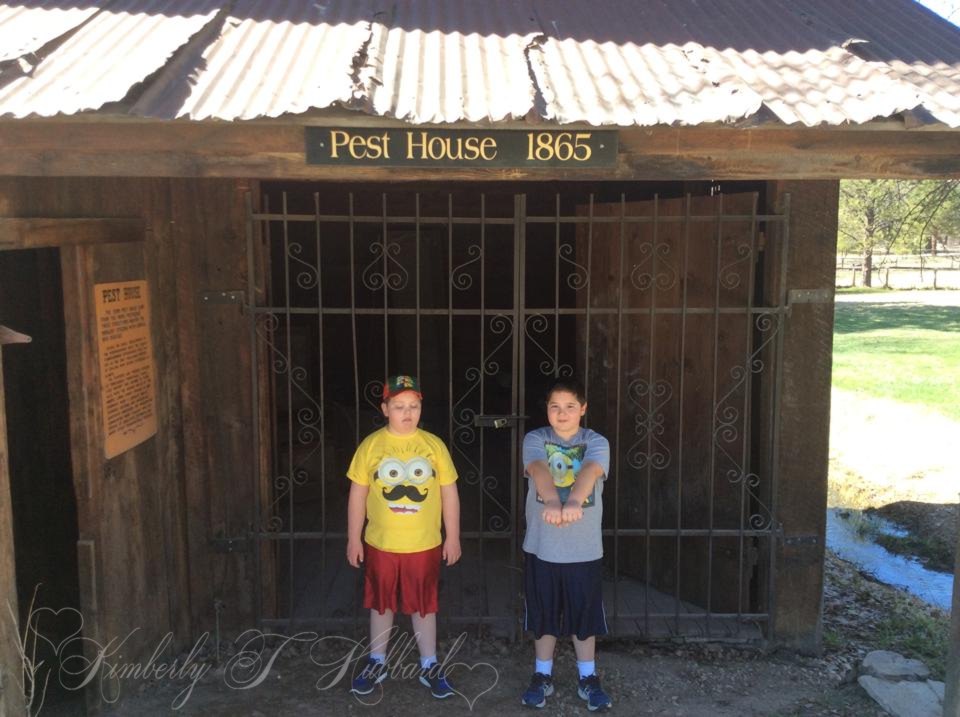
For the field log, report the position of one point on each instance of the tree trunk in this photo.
(867, 268)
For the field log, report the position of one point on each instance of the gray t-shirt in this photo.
(576, 542)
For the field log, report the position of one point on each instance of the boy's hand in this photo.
(354, 553)
(451, 550)
(572, 511)
(553, 513)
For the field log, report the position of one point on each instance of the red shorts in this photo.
(415, 574)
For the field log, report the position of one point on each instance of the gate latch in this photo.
(497, 421)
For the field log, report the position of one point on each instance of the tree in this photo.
(881, 216)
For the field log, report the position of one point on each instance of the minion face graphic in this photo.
(404, 483)
(564, 463)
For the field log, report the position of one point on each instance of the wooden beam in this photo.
(37, 233)
(271, 150)
(11, 691)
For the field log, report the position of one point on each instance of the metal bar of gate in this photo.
(322, 416)
(748, 381)
(775, 407)
(517, 388)
(484, 593)
(619, 451)
(683, 363)
(255, 407)
(356, 375)
(289, 370)
(651, 378)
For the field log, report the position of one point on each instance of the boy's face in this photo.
(564, 412)
(402, 413)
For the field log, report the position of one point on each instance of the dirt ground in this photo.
(698, 680)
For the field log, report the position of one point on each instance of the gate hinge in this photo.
(223, 297)
(231, 545)
(809, 296)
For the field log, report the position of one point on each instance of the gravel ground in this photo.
(694, 680)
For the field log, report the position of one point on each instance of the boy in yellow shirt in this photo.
(402, 481)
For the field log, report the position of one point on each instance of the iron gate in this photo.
(669, 309)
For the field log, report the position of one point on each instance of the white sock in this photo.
(378, 657)
(544, 667)
(586, 668)
(427, 662)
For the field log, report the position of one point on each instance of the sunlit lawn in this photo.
(904, 352)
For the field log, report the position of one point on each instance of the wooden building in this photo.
(223, 223)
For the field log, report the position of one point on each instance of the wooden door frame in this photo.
(71, 235)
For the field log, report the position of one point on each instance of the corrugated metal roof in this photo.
(617, 62)
(99, 62)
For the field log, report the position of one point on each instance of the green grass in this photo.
(904, 352)
(915, 633)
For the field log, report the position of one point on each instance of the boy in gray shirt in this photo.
(566, 466)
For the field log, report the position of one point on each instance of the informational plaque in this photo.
(127, 390)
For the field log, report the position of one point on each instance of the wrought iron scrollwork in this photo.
(666, 275)
(650, 401)
(550, 365)
(308, 275)
(728, 418)
(308, 419)
(385, 270)
(460, 279)
(465, 433)
(578, 278)
(729, 277)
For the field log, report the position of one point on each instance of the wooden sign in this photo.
(461, 147)
(127, 389)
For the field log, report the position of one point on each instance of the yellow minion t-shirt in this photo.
(404, 474)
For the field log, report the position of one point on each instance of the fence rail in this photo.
(900, 277)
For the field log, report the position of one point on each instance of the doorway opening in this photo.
(44, 502)
(657, 298)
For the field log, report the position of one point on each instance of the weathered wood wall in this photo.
(802, 447)
(11, 691)
(148, 516)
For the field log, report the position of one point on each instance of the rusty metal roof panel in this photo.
(98, 63)
(697, 61)
(448, 61)
(269, 59)
(616, 62)
(26, 28)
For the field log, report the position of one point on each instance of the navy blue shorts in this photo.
(563, 598)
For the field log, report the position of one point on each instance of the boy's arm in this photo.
(450, 507)
(588, 476)
(543, 482)
(356, 512)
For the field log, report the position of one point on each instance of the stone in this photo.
(892, 666)
(902, 699)
(939, 688)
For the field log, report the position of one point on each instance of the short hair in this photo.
(570, 385)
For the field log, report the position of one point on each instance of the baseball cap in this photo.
(398, 384)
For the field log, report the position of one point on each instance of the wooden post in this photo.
(11, 667)
(951, 703)
(804, 418)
